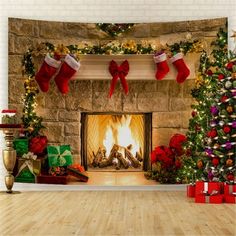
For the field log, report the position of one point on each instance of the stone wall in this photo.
(169, 101)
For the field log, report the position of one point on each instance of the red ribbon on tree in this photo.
(119, 72)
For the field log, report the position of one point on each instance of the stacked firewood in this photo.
(119, 157)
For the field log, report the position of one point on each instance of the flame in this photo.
(119, 132)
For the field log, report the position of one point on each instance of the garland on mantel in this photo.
(30, 120)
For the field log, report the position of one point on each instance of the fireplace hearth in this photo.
(116, 141)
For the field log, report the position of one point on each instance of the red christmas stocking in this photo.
(46, 72)
(67, 70)
(183, 70)
(162, 66)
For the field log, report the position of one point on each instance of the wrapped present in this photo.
(25, 177)
(59, 155)
(29, 163)
(57, 170)
(230, 198)
(216, 199)
(21, 146)
(38, 144)
(49, 179)
(191, 188)
(229, 188)
(78, 171)
(208, 187)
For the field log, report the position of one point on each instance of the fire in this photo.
(119, 132)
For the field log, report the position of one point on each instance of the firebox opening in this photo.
(115, 141)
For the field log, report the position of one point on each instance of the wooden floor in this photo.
(112, 213)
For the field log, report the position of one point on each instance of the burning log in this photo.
(135, 163)
(123, 161)
(112, 155)
(98, 157)
(139, 156)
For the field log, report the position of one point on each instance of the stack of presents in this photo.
(212, 192)
(38, 162)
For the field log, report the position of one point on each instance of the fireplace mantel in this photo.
(142, 67)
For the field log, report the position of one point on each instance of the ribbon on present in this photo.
(59, 159)
(29, 158)
(205, 188)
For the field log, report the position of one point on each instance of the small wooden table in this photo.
(9, 153)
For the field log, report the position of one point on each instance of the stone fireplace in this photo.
(116, 141)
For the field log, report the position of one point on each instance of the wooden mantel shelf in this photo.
(142, 67)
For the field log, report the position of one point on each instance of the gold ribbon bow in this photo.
(29, 158)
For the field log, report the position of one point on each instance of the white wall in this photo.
(103, 11)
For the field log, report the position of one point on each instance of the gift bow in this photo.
(60, 158)
(118, 72)
(29, 158)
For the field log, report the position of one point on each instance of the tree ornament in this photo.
(221, 76)
(221, 123)
(194, 113)
(229, 109)
(223, 98)
(228, 84)
(230, 177)
(214, 110)
(229, 162)
(215, 161)
(162, 66)
(200, 164)
(183, 70)
(226, 129)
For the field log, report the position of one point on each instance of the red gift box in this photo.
(191, 190)
(229, 188)
(216, 199)
(230, 198)
(49, 179)
(208, 187)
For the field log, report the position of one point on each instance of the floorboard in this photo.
(112, 213)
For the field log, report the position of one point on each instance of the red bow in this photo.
(118, 72)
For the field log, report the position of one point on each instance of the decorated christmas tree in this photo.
(206, 86)
(220, 160)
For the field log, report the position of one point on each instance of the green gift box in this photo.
(59, 155)
(25, 177)
(21, 146)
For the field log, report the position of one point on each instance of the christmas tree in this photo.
(206, 86)
(220, 160)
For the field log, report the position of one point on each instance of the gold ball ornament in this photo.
(199, 164)
(229, 109)
(229, 162)
(233, 75)
(30, 129)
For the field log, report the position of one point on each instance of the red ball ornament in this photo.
(194, 113)
(223, 98)
(212, 133)
(209, 72)
(226, 129)
(221, 76)
(230, 177)
(215, 161)
(229, 66)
